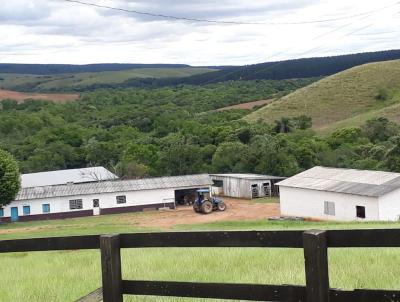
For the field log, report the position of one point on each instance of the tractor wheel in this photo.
(222, 206)
(196, 208)
(206, 207)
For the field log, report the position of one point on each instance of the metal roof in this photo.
(350, 181)
(247, 176)
(51, 178)
(200, 180)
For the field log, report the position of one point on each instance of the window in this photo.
(75, 204)
(46, 208)
(121, 199)
(1, 212)
(26, 210)
(360, 211)
(218, 183)
(96, 203)
(329, 208)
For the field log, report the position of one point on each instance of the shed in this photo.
(98, 198)
(341, 194)
(245, 185)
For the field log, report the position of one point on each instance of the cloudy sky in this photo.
(57, 31)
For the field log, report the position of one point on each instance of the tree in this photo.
(302, 122)
(379, 129)
(284, 125)
(9, 178)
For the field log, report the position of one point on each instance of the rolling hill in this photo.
(288, 69)
(348, 98)
(84, 80)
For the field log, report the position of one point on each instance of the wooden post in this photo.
(111, 268)
(316, 266)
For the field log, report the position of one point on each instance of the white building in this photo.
(247, 186)
(341, 194)
(101, 197)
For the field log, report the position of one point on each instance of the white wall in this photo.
(107, 200)
(389, 206)
(310, 204)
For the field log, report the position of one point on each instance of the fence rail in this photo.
(314, 243)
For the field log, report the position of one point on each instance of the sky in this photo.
(57, 31)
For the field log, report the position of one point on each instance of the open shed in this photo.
(247, 186)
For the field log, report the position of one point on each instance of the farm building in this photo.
(245, 185)
(341, 194)
(100, 197)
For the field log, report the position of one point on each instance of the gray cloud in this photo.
(61, 32)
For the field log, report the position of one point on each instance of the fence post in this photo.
(111, 268)
(316, 266)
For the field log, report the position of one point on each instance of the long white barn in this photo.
(341, 194)
(102, 197)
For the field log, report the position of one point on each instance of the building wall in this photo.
(310, 204)
(389, 206)
(238, 187)
(60, 205)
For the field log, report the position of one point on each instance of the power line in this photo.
(225, 22)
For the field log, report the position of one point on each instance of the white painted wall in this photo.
(106, 200)
(310, 204)
(389, 206)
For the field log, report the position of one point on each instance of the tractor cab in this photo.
(203, 194)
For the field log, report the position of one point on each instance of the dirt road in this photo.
(55, 97)
(237, 210)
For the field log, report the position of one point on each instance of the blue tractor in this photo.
(206, 204)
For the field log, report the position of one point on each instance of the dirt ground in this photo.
(237, 209)
(249, 105)
(20, 96)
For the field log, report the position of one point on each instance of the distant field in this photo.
(73, 81)
(54, 97)
(348, 98)
(249, 105)
(67, 275)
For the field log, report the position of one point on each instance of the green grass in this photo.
(67, 275)
(347, 98)
(70, 81)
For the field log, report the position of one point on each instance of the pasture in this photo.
(67, 275)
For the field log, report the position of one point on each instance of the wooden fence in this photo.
(314, 243)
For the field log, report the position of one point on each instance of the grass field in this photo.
(348, 98)
(70, 81)
(67, 275)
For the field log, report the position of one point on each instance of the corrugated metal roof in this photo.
(114, 186)
(350, 181)
(51, 178)
(247, 176)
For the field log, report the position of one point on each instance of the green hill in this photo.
(81, 81)
(348, 98)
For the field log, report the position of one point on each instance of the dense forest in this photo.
(172, 131)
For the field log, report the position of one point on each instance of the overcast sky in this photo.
(56, 31)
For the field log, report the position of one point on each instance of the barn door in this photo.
(254, 191)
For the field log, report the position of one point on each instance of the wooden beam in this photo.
(95, 296)
(111, 268)
(249, 292)
(316, 266)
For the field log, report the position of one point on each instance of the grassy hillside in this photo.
(348, 98)
(73, 81)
